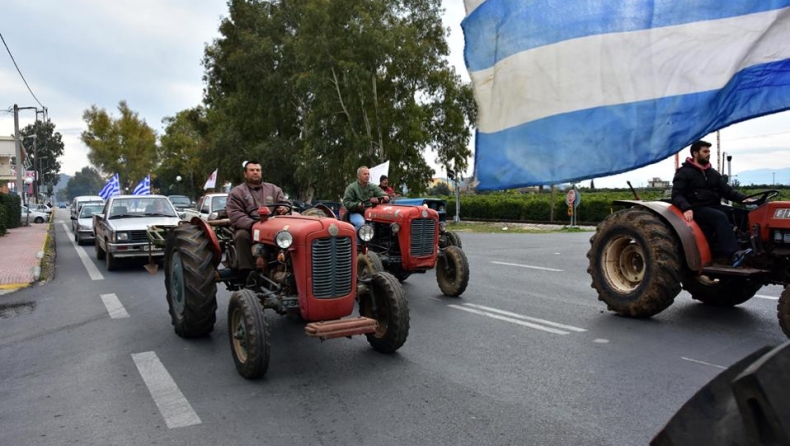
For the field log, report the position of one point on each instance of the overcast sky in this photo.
(79, 53)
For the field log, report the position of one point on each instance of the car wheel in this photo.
(38, 220)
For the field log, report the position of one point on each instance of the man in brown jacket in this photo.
(242, 208)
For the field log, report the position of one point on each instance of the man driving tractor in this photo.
(697, 190)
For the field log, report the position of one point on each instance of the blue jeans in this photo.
(356, 219)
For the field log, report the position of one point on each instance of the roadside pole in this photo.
(18, 145)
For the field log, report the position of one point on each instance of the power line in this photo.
(20, 71)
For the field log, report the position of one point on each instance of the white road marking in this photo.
(601, 341)
(172, 404)
(528, 318)
(114, 306)
(509, 319)
(528, 266)
(93, 272)
(703, 362)
(762, 296)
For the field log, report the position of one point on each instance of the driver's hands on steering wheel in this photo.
(749, 201)
(385, 199)
(374, 200)
(281, 210)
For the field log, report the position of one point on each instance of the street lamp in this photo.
(178, 183)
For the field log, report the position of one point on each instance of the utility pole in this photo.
(18, 151)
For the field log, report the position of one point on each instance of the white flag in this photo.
(377, 171)
(212, 180)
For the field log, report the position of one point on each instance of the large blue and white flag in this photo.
(144, 187)
(112, 188)
(575, 89)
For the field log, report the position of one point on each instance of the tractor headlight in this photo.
(442, 226)
(284, 239)
(121, 236)
(365, 233)
(395, 228)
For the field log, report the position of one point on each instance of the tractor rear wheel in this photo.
(635, 263)
(383, 299)
(248, 330)
(189, 281)
(783, 311)
(721, 292)
(368, 264)
(452, 271)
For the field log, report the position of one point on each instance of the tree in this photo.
(181, 147)
(441, 188)
(316, 88)
(85, 182)
(48, 148)
(126, 144)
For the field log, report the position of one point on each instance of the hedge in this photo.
(594, 206)
(10, 211)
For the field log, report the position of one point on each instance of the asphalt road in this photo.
(527, 356)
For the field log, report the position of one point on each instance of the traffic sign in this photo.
(570, 198)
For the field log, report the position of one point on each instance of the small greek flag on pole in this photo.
(144, 187)
(112, 188)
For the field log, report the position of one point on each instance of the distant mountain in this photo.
(763, 176)
(62, 182)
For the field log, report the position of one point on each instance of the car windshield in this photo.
(219, 203)
(180, 201)
(88, 211)
(141, 207)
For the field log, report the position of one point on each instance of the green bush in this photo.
(11, 208)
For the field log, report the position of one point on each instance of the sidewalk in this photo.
(21, 250)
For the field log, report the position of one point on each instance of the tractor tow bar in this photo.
(340, 328)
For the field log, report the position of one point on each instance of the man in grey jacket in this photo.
(242, 207)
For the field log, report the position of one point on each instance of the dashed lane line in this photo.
(114, 306)
(763, 296)
(703, 363)
(529, 266)
(172, 404)
(528, 318)
(93, 272)
(518, 319)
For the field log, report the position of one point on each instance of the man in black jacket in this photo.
(697, 190)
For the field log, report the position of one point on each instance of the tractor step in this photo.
(733, 270)
(341, 328)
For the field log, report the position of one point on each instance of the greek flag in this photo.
(576, 89)
(112, 188)
(144, 187)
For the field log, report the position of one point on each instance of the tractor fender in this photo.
(212, 237)
(695, 246)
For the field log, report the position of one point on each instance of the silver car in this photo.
(82, 225)
(34, 216)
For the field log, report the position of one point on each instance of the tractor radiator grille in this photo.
(422, 233)
(332, 267)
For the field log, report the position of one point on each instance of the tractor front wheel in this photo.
(721, 292)
(635, 263)
(452, 271)
(383, 299)
(368, 264)
(189, 281)
(783, 311)
(249, 334)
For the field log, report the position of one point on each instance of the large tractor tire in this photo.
(100, 253)
(783, 311)
(189, 281)
(248, 330)
(449, 238)
(635, 263)
(368, 264)
(391, 310)
(721, 292)
(452, 271)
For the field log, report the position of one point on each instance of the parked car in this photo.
(33, 216)
(180, 202)
(121, 228)
(41, 207)
(82, 225)
(208, 208)
(78, 202)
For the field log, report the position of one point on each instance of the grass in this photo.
(48, 261)
(513, 228)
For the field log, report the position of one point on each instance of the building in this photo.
(658, 183)
(8, 160)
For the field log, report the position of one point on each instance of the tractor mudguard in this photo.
(695, 246)
(212, 236)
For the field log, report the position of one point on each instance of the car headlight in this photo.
(284, 239)
(395, 228)
(442, 226)
(85, 228)
(365, 233)
(122, 236)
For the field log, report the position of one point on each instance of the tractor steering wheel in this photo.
(273, 207)
(762, 197)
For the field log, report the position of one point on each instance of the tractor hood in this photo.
(398, 214)
(301, 228)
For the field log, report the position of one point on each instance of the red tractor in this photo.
(643, 255)
(306, 269)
